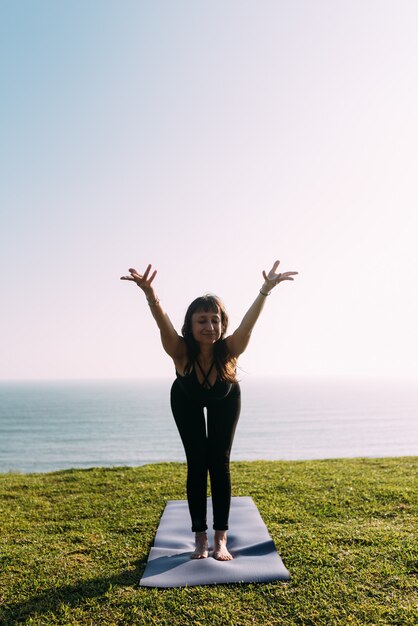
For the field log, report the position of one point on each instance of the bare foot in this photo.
(201, 543)
(220, 551)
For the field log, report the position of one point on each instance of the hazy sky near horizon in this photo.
(208, 138)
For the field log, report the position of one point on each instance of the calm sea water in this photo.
(47, 426)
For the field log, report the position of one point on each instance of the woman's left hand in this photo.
(272, 278)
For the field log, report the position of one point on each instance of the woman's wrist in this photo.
(152, 299)
(265, 290)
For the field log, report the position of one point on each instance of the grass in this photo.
(73, 546)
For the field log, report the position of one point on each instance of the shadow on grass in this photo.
(51, 600)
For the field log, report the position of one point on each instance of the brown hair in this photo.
(224, 363)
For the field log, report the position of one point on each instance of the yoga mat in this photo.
(255, 555)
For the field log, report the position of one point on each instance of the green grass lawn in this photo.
(73, 546)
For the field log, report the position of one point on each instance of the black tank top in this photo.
(203, 392)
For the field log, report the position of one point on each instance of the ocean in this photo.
(50, 426)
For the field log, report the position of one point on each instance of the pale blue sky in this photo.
(208, 138)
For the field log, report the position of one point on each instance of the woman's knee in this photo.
(219, 463)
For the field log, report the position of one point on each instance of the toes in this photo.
(222, 555)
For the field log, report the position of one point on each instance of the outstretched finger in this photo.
(135, 274)
(127, 278)
(153, 275)
(275, 266)
(287, 276)
(147, 271)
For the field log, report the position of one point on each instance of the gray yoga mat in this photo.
(255, 555)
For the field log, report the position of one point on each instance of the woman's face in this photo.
(206, 327)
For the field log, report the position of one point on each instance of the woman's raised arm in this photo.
(173, 344)
(238, 341)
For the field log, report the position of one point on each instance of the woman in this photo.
(205, 361)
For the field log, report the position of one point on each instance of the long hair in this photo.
(224, 363)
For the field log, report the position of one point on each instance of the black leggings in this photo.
(207, 452)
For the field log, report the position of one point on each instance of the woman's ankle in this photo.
(220, 535)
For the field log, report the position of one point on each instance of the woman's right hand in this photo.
(142, 280)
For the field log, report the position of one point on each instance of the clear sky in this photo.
(208, 138)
